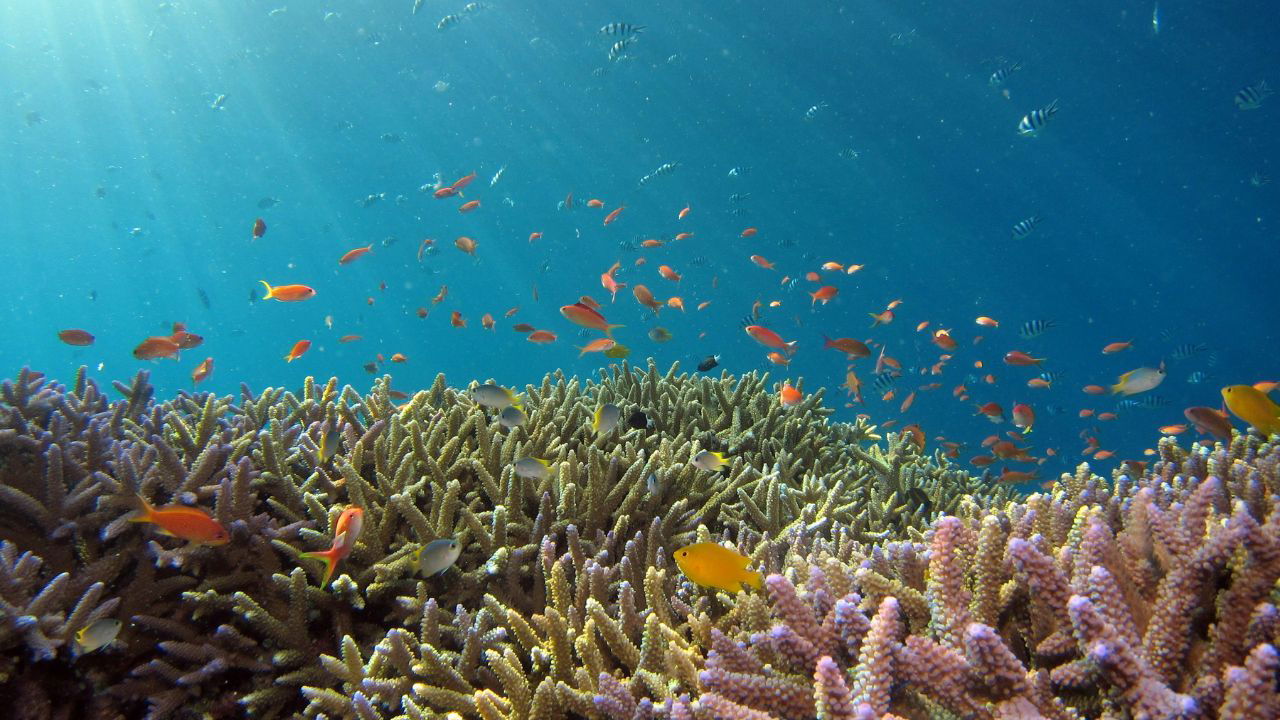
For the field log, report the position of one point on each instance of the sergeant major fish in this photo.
(1033, 122)
(1025, 227)
(1251, 97)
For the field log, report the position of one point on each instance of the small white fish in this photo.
(812, 112)
(1155, 19)
(532, 468)
(219, 102)
(651, 484)
(496, 397)
(497, 176)
(436, 556)
(98, 634)
(417, 5)
(512, 417)
(278, 11)
(606, 419)
(709, 461)
(1140, 380)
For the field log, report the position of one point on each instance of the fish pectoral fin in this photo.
(754, 579)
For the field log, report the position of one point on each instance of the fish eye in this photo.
(684, 553)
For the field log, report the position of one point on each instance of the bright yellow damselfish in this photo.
(1254, 407)
(712, 565)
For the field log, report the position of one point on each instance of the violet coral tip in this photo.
(831, 694)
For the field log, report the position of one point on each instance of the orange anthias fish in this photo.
(824, 293)
(789, 396)
(683, 213)
(599, 345)
(1023, 417)
(987, 322)
(259, 228)
(666, 272)
(769, 338)
(468, 206)
(186, 340)
(759, 260)
(287, 293)
(580, 314)
(883, 318)
(646, 298)
(1019, 358)
(75, 336)
(614, 214)
(748, 232)
(463, 182)
(466, 245)
(542, 337)
(156, 347)
(456, 319)
(399, 358)
(486, 321)
(299, 348)
(535, 236)
(445, 192)
(608, 283)
(1116, 347)
(942, 338)
(1209, 421)
(354, 253)
(848, 346)
(345, 534)
(595, 203)
(201, 372)
(182, 521)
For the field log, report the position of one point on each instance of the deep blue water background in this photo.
(1152, 230)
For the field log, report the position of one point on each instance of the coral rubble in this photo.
(897, 585)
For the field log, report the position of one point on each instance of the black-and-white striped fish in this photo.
(739, 171)
(1002, 73)
(620, 47)
(1251, 97)
(1035, 328)
(1146, 402)
(663, 169)
(1186, 350)
(738, 197)
(1025, 227)
(884, 381)
(621, 29)
(1051, 376)
(1034, 121)
(497, 176)
(1197, 377)
(448, 21)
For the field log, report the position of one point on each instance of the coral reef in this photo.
(897, 585)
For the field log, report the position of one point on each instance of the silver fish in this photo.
(495, 396)
(98, 634)
(709, 461)
(512, 417)
(532, 468)
(606, 419)
(436, 556)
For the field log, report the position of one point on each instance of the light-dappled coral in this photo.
(896, 583)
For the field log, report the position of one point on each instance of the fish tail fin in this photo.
(791, 347)
(754, 579)
(330, 558)
(875, 319)
(270, 291)
(608, 330)
(145, 510)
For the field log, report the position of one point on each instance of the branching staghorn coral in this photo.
(564, 602)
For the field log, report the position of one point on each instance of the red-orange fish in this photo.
(683, 213)
(1116, 347)
(595, 203)
(201, 372)
(824, 293)
(608, 283)
(463, 182)
(1019, 358)
(259, 228)
(646, 298)
(788, 396)
(883, 318)
(542, 337)
(287, 293)
(345, 533)
(182, 521)
(769, 338)
(348, 338)
(748, 232)
(614, 214)
(522, 327)
(466, 245)
(598, 345)
(156, 347)
(74, 336)
(580, 314)
(468, 206)
(399, 358)
(942, 338)
(666, 272)
(354, 253)
(486, 321)
(445, 192)
(535, 236)
(848, 346)
(759, 260)
(456, 319)
(299, 348)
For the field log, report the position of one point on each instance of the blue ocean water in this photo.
(138, 140)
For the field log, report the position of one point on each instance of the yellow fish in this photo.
(1254, 407)
(712, 565)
